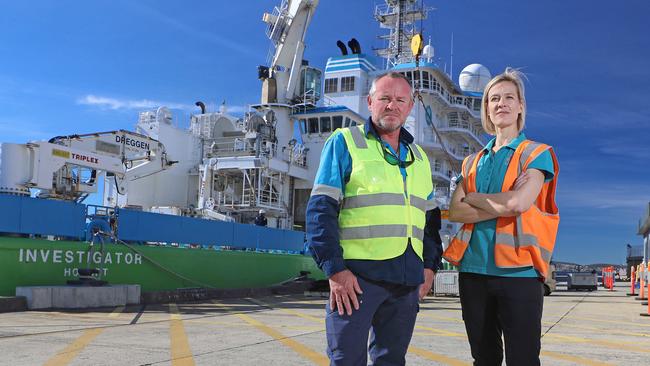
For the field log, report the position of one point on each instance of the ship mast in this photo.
(399, 17)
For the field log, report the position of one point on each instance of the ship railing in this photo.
(463, 125)
(466, 103)
(441, 192)
(295, 155)
(225, 147)
(328, 101)
(436, 167)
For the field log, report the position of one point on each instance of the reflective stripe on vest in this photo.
(376, 218)
(325, 190)
(387, 199)
(527, 239)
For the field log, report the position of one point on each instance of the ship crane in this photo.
(69, 167)
(287, 29)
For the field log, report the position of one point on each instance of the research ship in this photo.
(177, 205)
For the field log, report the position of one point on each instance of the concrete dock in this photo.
(579, 328)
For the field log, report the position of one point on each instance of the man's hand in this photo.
(343, 292)
(428, 282)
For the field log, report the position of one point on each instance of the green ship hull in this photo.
(37, 262)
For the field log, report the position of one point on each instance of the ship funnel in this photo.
(354, 45)
(200, 105)
(341, 45)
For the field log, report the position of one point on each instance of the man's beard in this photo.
(387, 127)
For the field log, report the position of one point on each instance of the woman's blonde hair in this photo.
(516, 77)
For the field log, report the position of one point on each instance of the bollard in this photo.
(632, 282)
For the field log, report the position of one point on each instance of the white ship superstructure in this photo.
(230, 167)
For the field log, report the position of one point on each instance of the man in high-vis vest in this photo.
(372, 229)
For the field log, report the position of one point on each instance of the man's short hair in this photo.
(392, 74)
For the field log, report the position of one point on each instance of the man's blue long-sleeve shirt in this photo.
(322, 220)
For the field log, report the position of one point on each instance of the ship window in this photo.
(425, 80)
(452, 119)
(325, 124)
(347, 83)
(437, 166)
(331, 85)
(337, 122)
(313, 125)
(416, 80)
(465, 150)
(477, 104)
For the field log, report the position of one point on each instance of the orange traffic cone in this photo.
(632, 282)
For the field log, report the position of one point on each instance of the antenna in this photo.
(451, 67)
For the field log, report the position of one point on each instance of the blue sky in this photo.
(86, 66)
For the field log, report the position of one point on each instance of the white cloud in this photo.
(141, 104)
(148, 104)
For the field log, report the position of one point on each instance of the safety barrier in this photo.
(446, 283)
(608, 278)
(642, 282)
(632, 281)
(645, 275)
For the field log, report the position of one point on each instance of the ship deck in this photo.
(579, 328)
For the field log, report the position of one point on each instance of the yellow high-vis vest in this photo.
(377, 218)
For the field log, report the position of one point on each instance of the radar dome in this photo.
(428, 51)
(474, 78)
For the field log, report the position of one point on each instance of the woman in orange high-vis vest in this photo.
(505, 198)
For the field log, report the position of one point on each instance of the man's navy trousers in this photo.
(388, 312)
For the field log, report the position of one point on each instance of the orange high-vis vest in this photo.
(521, 241)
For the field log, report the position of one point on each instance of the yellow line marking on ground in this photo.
(180, 347)
(610, 331)
(441, 332)
(619, 346)
(574, 359)
(238, 324)
(69, 353)
(116, 313)
(437, 357)
(298, 347)
(289, 311)
(619, 322)
(455, 320)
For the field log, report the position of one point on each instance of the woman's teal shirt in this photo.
(491, 170)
